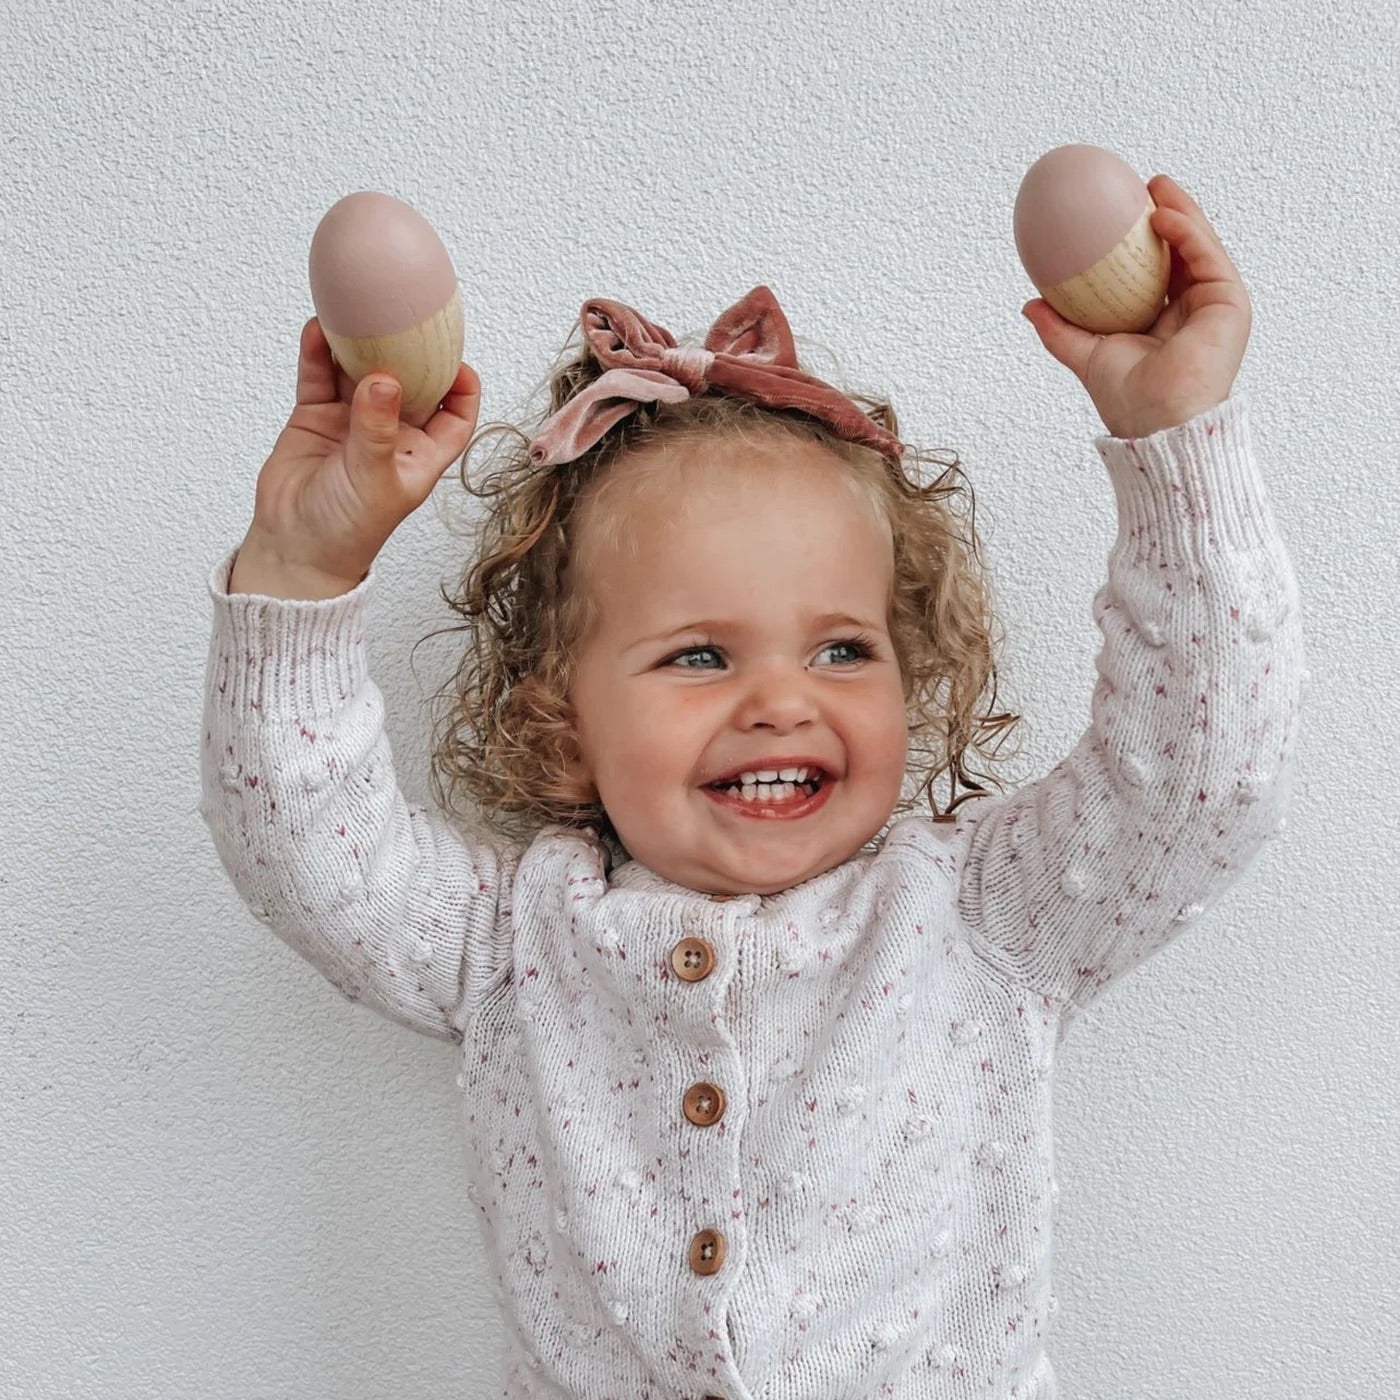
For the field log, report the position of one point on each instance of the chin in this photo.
(775, 876)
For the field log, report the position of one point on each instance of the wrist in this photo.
(1158, 420)
(259, 568)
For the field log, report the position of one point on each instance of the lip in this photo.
(775, 811)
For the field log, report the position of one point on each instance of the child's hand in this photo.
(1187, 361)
(343, 474)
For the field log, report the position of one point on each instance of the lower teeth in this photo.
(769, 793)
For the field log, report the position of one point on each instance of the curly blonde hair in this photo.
(505, 738)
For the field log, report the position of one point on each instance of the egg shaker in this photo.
(1084, 235)
(387, 298)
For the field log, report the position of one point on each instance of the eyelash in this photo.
(862, 644)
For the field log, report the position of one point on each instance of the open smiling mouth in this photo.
(771, 794)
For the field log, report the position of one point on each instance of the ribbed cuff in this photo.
(285, 656)
(1188, 491)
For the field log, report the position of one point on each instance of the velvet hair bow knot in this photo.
(749, 353)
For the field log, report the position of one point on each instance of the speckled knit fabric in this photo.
(797, 1145)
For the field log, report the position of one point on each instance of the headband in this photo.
(749, 353)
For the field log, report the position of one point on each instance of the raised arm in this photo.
(389, 901)
(386, 899)
(1183, 773)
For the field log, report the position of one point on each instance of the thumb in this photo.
(1071, 345)
(374, 426)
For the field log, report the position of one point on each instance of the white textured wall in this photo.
(219, 1180)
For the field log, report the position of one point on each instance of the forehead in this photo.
(694, 483)
(736, 526)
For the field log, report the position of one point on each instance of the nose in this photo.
(777, 697)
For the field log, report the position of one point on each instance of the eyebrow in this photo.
(720, 625)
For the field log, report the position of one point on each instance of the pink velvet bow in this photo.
(749, 352)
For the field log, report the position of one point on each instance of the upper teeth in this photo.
(773, 775)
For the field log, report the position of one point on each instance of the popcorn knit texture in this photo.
(871, 1209)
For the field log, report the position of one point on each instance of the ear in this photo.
(563, 772)
(573, 781)
(754, 327)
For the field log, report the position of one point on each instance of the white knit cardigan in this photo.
(796, 1145)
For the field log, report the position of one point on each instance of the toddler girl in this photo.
(756, 1058)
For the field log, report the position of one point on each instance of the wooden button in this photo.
(693, 959)
(707, 1252)
(704, 1103)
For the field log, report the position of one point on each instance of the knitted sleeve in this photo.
(1184, 771)
(391, 903)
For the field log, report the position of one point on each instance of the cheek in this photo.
(892, 742)
(887, 732)
(635, 735)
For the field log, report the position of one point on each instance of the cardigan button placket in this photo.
(693, 959)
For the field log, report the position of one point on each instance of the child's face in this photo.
(724, 648)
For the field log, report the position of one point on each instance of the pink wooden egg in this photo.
(1084, 234)
(387, 297)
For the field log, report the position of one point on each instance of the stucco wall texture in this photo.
(217, 1179)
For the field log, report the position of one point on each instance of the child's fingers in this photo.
(1201, 250)
(1071, 345)
(316, 368)
(455, 421)
(1178, 219)
(450, 429)
(1166, 193)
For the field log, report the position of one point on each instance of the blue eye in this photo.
(679, 658)
(856, 649)
(857, 646)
